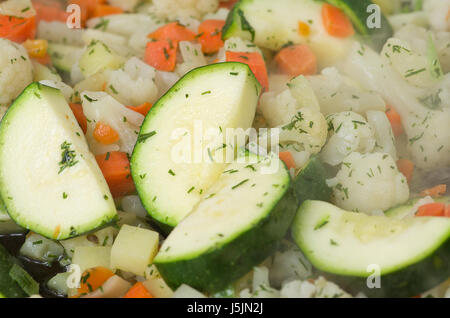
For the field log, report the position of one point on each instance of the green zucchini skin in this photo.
(310, 183)
(408, 282)
(8, 287)
(214, 271)
(356, 10)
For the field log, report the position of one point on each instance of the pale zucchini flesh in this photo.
(214, 97)
(49, 181)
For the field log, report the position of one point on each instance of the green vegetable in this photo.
(354, 250)
(24, 280)
(240, 228)
(42, 157)
(9, 288)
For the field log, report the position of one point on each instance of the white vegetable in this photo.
(173, 9)
(418, 18)
(155, 284)
(412, 66)
(165, 80)
(298, 289)
(87, 257)
(42, 72)
(326, 289)
(192, 57)
(101, 107)
(103, 237)
(383, 133)
(437, 11)
(132, 203)
(58, 283)
(134, 84)
(220, 14)
(427, 129)
(289, 264)
(115, 42)
(134, 249)
(337, 93)
(40, 248)
(185, 291)
(17, 8)
(93, 83)
(349, 132)
(369, 182)
(58, 32)
(114, 287)
(261, 285)
(16, 71)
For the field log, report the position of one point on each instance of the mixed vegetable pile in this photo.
(124, 173)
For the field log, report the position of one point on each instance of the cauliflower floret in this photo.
(173, 9)
(134, 84)
(349, 132)
(368, 183)
(425, 116)
(338, 93)
(101, 107)
(16, 71)
(437, 11)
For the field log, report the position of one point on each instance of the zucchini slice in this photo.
(49, 181)
(237, 225)
(412, 255)
(275, 24)
(211, 98)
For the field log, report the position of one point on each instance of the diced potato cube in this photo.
(91, 256)
(134, 249)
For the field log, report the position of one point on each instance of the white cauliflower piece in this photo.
(349, 132)
(101, 107)
(369, 182)
(337, 93)
(384, 136)
(437, 11)
(327, 289)
(173, 9)
(306, 131)
(134, 84)
(58, 32)
(17, 8)
(425, 116)
(16, 71)
(192, 57)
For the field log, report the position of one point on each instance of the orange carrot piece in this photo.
(92, 279)
(256, 63)
(435, 191)
(17, 29)
(297, 60)
(138, 291)
(288, 159)
(447, 211)
(105, 134)
(77, 110)
(141, 109)
(162, 55)
(173, 31)
(406, 167)
(210, 35)
(431, 209)
(104, 10)
(49, 11)
(395, 120)
(115, 167)
(336, 22)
